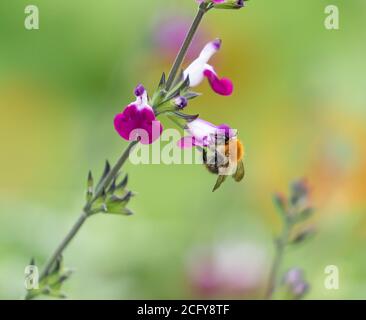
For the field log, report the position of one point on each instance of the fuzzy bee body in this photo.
(225, 159)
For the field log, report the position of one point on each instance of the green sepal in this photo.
(303, 235)
(90, 187)
(51, 284)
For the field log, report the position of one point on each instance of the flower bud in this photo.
(180, 102)
(295, 283)
(281, 202)
(229, 4)
(303, 235)
(300, 192)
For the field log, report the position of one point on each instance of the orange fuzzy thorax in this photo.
(235, 150)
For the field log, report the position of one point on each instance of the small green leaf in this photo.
(303, 236)
(90, 186)
(191, 95)
(117, 205)
(303, 215)
(112, 187)
(52, 283)
(123, 183)
(186, 117)
(32, 262)
(280, 202)
(162, 81)
(107, 169)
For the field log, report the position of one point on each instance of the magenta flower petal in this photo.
(186, 142)
(138, 120)
(222, 86)
(201, 133)
(227, 130)
(134, 123)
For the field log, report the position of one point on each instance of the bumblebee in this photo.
(225, 158)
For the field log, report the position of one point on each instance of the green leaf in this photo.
(191, 95)
(117, 205)
(52, 283)
(303, 215)
(162, 82)
(123, 183)
(32, 262)
(90, 186)
(186, 117)
(112, 187)
(303, 235)
(107, 169)
(280, 202)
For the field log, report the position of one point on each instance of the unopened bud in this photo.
(181, 102)
(229, 4)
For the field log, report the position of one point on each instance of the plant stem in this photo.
(188, 40)
(281, 244)
(112, 174)
(64, 244)
(79, 223)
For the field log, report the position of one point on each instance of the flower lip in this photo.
(222, 86)
(200, 69)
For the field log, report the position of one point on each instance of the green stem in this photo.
(281, 244)
(86, 212)
(111, 175)
(188, 40)
(63, 245)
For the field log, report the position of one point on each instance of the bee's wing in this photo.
(219, 182)
(215, 158)
(240, 172)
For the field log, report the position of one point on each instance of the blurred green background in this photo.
(299, 105)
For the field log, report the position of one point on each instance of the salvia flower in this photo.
(231, 269)
(138, 120)
(200, 69)
(295, 282)
(203, 134)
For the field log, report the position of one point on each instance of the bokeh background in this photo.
(299, 105)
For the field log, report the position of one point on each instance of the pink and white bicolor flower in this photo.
(138, 120)
(200, 69)
(202, 134)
